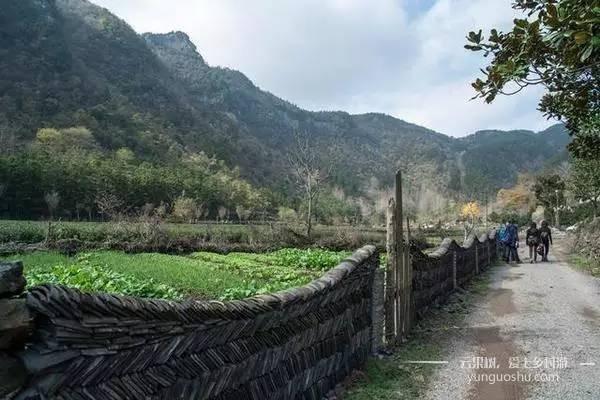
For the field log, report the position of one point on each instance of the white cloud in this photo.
(353, 55)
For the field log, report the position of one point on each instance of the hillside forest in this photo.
(98, 122)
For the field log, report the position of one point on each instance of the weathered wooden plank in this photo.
(391, 274)
(400, 265)
(408, 283)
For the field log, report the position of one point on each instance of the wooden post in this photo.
(377, 310)
(391, 283)
(400, 268)
(408, 283)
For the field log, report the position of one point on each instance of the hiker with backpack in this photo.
(502, 239)
(545, 239)
(513, 242)
(532, 239)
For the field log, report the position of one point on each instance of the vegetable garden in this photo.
(200, 275)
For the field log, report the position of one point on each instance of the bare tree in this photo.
(147, 210)
(108, 204)
(52, 200)
(222, 211)
(161, 211)
(310, 171)
(242, 212)
(201, 210)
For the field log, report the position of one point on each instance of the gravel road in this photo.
(538, 323)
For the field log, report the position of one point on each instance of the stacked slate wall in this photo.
(294, 344)
(437, 274)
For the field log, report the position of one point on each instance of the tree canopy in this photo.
(549, 190)
(585, 183)
(556, 45)
(63, 174)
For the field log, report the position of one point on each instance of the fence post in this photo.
(377, 310)
(408, 301)
(489, 258)
(400, 264)
(391, 285)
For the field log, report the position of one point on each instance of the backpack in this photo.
(532, 239)
(503, 234)
(540, 249)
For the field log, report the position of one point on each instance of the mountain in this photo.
(71, 63)
(493, 159)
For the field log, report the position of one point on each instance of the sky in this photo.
(400, 57)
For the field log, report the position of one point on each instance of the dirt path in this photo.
(538, 323)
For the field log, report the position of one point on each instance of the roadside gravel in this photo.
(544, 313)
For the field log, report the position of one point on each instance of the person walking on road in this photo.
(503, 239)
(546, 239)
(513, 242)
(532, 239)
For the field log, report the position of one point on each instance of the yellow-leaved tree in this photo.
(469, 214)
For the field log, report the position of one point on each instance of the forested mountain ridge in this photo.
(387, 142)
(493, 159)
(70, 63)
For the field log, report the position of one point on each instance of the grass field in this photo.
(199, 275)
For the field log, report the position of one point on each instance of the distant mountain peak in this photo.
(176, 42)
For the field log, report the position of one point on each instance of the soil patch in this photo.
(493, 383)
(501, 302)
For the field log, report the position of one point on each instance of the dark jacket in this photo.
(532, 237)
(513, 235)
(546, 234)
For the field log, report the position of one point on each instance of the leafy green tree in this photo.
(550, 192)
(79, 138)
(557, 45)
(108, 184)
(335, 210)
(287, 215)
(585, 181)
(125, 155)
(48, 136)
